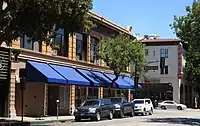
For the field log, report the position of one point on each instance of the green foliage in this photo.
(187, 28)
(38, 18)
(119, 51)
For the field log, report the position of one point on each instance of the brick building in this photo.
(69, 72)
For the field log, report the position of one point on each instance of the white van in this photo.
(143, 106)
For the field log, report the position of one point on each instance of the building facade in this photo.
(69, 72)
(163, 72)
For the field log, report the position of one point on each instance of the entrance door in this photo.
(53, 95)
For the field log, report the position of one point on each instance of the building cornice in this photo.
(109, 23)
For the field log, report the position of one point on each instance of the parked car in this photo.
(171, 105)
(94, 109)
(143, 106)
(122, 107)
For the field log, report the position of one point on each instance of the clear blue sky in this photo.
(146, 16)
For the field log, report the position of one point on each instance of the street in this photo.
(160, 118)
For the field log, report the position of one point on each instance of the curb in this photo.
(50, 121)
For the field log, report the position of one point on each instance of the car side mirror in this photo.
(146, 103)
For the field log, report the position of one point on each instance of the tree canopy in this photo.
(187, 28)
(38, 18)
(118, 52)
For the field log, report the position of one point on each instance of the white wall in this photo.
(171, 62)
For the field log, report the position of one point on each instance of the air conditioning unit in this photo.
(54, 52)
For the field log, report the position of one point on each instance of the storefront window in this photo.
(92, 93)
(64, 97)
(93, 50)
(109, 92)
(80, 95)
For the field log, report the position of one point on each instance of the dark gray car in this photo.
(94, 109)
(122, 107)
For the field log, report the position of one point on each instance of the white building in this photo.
(171, 50)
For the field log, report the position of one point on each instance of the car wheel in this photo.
(77, 119)
(98, 116)
(132, 113)
(151, 111)
(179, 108)
(144, 112)
(163, 107)
(110, 115)
(121, 115)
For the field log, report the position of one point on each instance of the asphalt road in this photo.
(159, 118)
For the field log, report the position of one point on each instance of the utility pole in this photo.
(136, 78)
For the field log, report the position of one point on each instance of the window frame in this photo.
(60, 51)
(166, 70)
(78, 41)
(24, 39)
(164, 53)
(146, 52)
(95, 51)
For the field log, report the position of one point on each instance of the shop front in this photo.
(48, 83)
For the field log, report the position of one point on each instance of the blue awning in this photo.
(102, 77)
(71, 75)
(42, 72)
(128, 80)
(120, 81)
(89, 75)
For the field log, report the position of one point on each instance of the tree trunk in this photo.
(112, 84)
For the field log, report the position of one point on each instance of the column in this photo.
(45, 100)
(176, 91)
(88, 49)
(100, 92)
(72, 46)
(129, 95)
(12, 110)
(72, 99)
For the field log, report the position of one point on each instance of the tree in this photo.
(187, 28)
(118, 52)
(37, 19)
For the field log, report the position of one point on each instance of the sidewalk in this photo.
(34, 121)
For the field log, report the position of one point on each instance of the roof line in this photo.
(106, 21)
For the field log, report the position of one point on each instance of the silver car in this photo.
(171, 105)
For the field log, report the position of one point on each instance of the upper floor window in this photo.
(154, 53)
(27, 43)
(164, 53)
(93, 50)
(164, 71)
(146, 52)
(79, 46)
(58, 42)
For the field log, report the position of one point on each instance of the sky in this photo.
(145, 16)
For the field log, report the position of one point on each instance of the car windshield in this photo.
(91, 103)
(115, 100)
(138, 102)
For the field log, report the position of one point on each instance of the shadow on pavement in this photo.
(186, 121)
(4, 122)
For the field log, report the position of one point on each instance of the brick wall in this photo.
(72, 46)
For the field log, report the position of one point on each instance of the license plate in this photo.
(82, 114)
